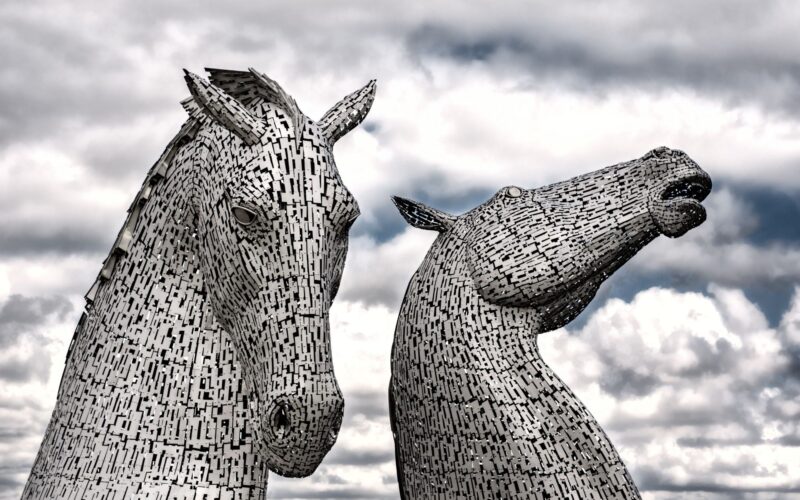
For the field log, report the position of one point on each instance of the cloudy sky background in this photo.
(689, 356)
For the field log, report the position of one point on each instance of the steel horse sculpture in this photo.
(203, 357)
(476, 413)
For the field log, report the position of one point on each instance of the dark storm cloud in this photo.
(749, 241)
(705, 442)
(81, 66)
(25, 369)
(385, 222)
(20, 316)
(74, 236)
(350, 492)
(66, 69)
(86, 66)
(344, 456)
(17, 430)
(369, 404)
(57, 75)
(71, 68)
(626, 382)
(776, 209)
(742, 52)
(753, 219)
(7, 480)
(654, 479)
(26, 404)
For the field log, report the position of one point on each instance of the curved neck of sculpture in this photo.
(151, 399)
(491, 411)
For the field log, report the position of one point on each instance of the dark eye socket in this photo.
(243, 215)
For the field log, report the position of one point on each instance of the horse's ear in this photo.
(422, 216)
(347, 113)
(225, 110)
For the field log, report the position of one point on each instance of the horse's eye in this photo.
(244, 216)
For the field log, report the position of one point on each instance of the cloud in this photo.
(377, 273)
(722, 397)
(23, 369)
(442, 129)
(20, 315)
(49, 204)
(743, 55)
(722, 249)
(34, 334)
(727, 249)
(700, 401)
(790, 324)
(697, 399)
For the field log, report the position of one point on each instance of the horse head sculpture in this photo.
(272, 219)
(203, 358)
(470, 393)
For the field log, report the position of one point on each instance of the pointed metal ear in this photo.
(225, 110)
(347, 113)
(422, 216)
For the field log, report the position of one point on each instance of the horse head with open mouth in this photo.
(476, 412)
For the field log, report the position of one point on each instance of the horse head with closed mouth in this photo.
(273, 217)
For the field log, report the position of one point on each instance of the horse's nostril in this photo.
(280, 421)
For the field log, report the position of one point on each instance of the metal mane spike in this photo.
(192, 108)
(283, 100)
(247, 86)
(238, 84)
(157, 172)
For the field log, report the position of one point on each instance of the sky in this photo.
(689, 356)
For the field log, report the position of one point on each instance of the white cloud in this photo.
(699, 425)
(465, 128)
(35, 334)
(379, 272)
(790, 323)
(363, 459)
(719, 250)
(678, 380)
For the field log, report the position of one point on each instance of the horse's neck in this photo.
(154, 302)
(484, 354)
(442, 292)
(151, 392)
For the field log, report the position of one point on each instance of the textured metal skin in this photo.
(203, 357)
(476, 413)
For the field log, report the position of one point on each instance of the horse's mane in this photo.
(247, 87)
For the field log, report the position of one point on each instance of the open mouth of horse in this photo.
(695, 187)
(677, 208)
